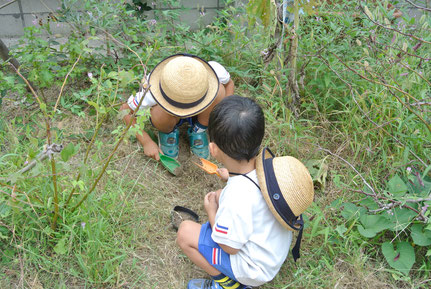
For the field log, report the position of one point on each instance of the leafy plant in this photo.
(400, 213)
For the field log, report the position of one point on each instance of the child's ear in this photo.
(213, 149)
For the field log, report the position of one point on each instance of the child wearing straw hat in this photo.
(251, 220)
(183, 88)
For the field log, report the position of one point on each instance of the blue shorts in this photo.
(212, 252)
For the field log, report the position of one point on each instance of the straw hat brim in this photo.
(294, 180)
(213, 86)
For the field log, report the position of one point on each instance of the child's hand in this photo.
(151, 149)
(210, 203)
(223, 173)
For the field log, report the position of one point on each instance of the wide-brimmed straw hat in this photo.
(286, 186)
(183, 84)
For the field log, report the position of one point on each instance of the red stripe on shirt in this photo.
(220, 231)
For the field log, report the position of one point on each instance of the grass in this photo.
(122, 235)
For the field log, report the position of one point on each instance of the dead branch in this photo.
(47, 153)
(418, 7)
(64, 82)
(123, 134)
(393, 29)
(390, 87)
(350, 165)
(366, 114)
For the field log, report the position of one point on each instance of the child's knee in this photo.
(221, 93)
(184, 233)
(162, 120)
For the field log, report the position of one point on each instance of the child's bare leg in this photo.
(162, 120)
(204, 116)
(188, 240)
(218, 193)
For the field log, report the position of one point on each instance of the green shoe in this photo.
(199, 143)
(169, 143)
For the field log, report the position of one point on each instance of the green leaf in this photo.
(327, 79)
(48, 231)
(92, 103)
(4, 232)
(60, 247)
(373, 224)
(420, 236)
(420, 188)
(366, 232)
(341, 229)
(264, 9)
(377, 223)
(43, 106)
(318, 171)
(46, 76)
(351, 211)
(126, 77)
(112, 74)
(396, 186)
(4, 210)
(369, 203)
(401, 218)
(67, 152)
(401, 259)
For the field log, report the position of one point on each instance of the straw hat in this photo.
(286, 186)
(183, 85)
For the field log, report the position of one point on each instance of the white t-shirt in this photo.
(133, 101)
(244, 221)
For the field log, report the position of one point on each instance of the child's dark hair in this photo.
(237, 126)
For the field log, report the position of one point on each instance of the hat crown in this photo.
(295, 183)
(184, 79)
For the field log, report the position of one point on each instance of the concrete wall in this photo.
(24, 13)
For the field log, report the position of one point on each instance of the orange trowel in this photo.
(208, 167)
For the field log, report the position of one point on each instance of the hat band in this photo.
(181, 104)
(276, 196)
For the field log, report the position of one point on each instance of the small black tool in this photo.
(176, 217)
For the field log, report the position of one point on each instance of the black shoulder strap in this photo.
(244, 175)
(299, 221)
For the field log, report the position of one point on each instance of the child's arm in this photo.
(229, 250)
(211, 206)
(151, 149)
